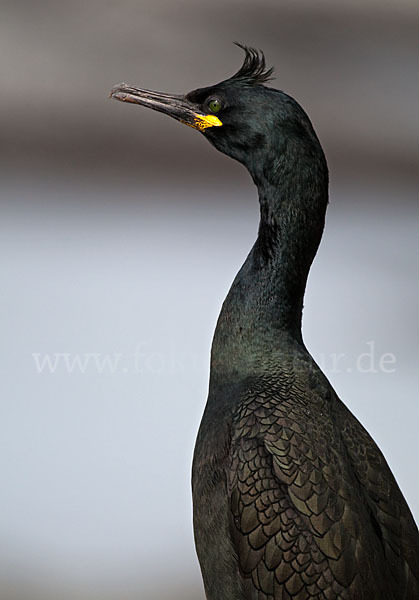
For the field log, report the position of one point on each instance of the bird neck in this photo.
(263, 310)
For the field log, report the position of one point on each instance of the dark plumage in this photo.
(253, 70)
(292, 497)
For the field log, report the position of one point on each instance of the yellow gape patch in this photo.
(201, 122)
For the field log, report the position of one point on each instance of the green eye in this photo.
(214, 105)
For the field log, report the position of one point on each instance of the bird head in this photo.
(240, 116)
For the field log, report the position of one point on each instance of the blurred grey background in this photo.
(121, 232)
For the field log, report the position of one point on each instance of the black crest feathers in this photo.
(253, 70)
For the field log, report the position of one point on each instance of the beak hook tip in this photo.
(117, 89)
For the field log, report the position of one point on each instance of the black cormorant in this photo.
(292, 497)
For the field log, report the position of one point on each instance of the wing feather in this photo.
(301, 516)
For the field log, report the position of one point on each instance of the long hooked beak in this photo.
(175, 106)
